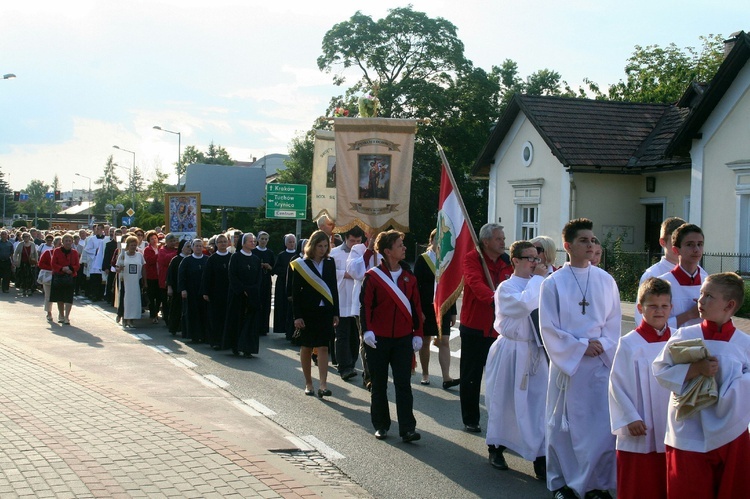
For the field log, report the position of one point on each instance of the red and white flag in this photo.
(454, 239)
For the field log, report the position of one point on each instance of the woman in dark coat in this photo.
(267, 259)
(189, 280)
(216, 290)
(281, 303)
(175, 301)
(315, 300)
(241, 328)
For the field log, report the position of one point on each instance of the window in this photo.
(529, 221)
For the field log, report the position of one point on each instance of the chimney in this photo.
(729, 43)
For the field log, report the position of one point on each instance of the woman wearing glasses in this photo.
(546, 250)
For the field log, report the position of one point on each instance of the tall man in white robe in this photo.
(516, 372)
(93, 253)
(579, 317)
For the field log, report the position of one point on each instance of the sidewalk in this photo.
(87, 411)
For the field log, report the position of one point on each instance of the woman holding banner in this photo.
(315, 300)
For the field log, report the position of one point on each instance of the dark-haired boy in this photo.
(708, 452)
(686, 277)
(637, 403)
(579, 317)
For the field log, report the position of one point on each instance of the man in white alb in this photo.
(579, 318)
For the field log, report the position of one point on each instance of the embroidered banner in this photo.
(323, 184)
(373, 172)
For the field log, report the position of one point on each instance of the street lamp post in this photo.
(179, 151)
(90, 207)
(132, 180)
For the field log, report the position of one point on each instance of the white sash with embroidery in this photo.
(401, 300)
(313, 279)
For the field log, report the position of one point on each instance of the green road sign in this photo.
(286, 201)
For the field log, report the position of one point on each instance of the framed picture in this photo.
(182, 212)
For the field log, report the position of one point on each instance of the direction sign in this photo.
(128, 220)
(286, 201)
(49, 195)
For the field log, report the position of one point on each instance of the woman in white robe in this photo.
(130, 268)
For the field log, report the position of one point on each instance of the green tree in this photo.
(662, 74)
(108, 190)
(393, 54)
(215, 155)
(8, 203)
(38, 201)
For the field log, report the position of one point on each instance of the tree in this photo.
(38, 200)
(393, 53)
(9, 206)
(108, 191)
(662, 74)
(215, 155)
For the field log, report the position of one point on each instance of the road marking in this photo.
(183, 362)
(206, 382)
(142, 336)
(216, 380)
(259, 407)
(246, 408)
(163, 349)
(327, 452)
(299, 443)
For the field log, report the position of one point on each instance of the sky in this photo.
(91, 74)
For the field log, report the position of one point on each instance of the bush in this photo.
(625, 267)
(744, 310)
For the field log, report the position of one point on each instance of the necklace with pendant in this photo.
(583, 303)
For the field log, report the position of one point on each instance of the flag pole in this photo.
(474, 238)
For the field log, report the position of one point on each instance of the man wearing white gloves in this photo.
(391, 318)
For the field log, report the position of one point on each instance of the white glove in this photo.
(369, 338)
(416, 343)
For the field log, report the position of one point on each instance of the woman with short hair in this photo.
(130, 264)
(65, 265)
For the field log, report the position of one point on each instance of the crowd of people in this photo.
(594, 409)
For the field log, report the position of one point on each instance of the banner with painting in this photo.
(373, 172)
(183, 214)
(323, 185)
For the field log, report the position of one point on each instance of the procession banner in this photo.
(182, 211)
(373, 172)
(323, 185)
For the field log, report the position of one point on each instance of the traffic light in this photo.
(57, 195)
(16, 196)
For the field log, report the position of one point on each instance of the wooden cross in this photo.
(583, 304)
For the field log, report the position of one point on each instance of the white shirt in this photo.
(340, 255)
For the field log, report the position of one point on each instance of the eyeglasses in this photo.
(539, 250)
(532, 259)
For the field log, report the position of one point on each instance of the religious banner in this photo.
(182, 211)
(323, 184)
(373, 172)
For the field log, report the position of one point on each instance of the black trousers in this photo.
(165, 302)
(396, 353)
(347, 344)
(474, 350)
(95, 288)
(5, 275)
(152, 290)
(109, 288)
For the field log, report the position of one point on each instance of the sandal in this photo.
(66, 321)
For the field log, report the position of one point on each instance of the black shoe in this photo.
(349, 375)
(451, 383)
(564, 493)
(381, 434)
(309, 392)
(473, 428)
(411, 436)
(540, 468)
(498, 461)
(598, 494)
(324, 393)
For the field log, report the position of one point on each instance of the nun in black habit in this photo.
(189, 281)
(245, 273)
(174, 322)
(216, 290)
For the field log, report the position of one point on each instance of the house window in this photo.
(528, 216)
(527, 196)
(527, 153)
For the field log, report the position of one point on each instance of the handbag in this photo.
(62, 279)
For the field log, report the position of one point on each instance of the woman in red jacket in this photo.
(391, 316)
(45, 275)
(150, 254)
(64, 270)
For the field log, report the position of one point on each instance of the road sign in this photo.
(49, 195)
(286, 201)
(127, 221)
(130, 212)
